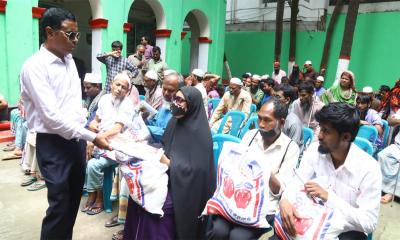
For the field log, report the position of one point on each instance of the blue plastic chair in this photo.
(385, 132)
(364, 144)
(368, 132)
(251, 123)
(218, 142)
(253, 109)
(237, 118)
(107, 187)
(308, 134)
(370, 236)
(142, 97)
(214, 103)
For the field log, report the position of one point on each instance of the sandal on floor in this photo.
(37, 186)
(118, 235)
(28, 180)
(11, 156)
(9, 148)
(387, 198)
(113, 222)
(94, 210)
(87, 207)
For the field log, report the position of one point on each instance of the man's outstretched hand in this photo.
(101, 142)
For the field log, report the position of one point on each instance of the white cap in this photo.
(92, 78)
(367, 89)
(236, 81)
(198, 72)
(265, 76)
(123, 76)
(152, 75)
(257, 77)
(248, 73)
(320, 78)
(308, 62)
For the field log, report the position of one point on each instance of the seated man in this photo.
(114, 112)
(293, 127)
(153, 95)
(281, 153)
(306, 106)
(256, 92)
(92, 88)
(341, 174)
(234, 99)
(3, 108)
(389, 159)
(157, 124)
(267, 86)
(369, 116)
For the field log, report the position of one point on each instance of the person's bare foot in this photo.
(387, 198)
(17, 152)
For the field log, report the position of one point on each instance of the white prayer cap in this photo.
(308, 62)
(320, 78)
(249, 74)
(367, 89)
(123, 76)
(257, 77)
(92, 78)
(198, 72)
(236, 81)
(152, 75)
(265, 76)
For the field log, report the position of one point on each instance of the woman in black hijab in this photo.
(188, 145)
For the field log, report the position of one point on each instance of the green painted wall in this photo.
(374, 57)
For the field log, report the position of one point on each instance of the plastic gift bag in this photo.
(242, 187)
(316, 221)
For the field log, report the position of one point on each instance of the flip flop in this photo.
(28, 180)
(87, 207)
(94, 210)
(10, 156)
(113, 222)
(387, 198)
(37, 186)
(9, 148)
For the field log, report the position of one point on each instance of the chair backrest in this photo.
(218, 142)
(253, 109)
(364, 144)
(251, 123)
(307, 135)
(142, 97)
(214, 103)
(237, 119)
(385, 132)
(368, 132)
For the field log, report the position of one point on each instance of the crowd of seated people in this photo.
(177, 114)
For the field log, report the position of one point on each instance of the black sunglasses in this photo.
(71, 35)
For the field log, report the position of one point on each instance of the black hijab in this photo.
(188, 144)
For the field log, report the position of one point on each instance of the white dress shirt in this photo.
(354, 189)
(273, 155)
(111, 112)
(278, 77)
(51, 91)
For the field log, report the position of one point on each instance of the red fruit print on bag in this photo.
(229, 187)
(302, 225)
(242, 198)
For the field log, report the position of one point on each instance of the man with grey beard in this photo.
(306, 106)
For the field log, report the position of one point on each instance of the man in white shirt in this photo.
(51, 91)
(197, 82)
(114, 113)
(279, 150)
(153, 94)
(278, 73)
(342, 175)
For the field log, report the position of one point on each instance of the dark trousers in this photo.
(62, 163)
(223, 229)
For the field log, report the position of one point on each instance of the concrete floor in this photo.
(21, 212)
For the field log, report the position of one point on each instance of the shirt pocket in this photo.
(348, 192)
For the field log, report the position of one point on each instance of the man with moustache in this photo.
(306, 106)
(51, 91)
(154, 95)
(138, 61)
(278, 73)
(341, 174)
(256, 92)
(281, 151)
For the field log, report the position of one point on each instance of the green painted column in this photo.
(3, 59)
